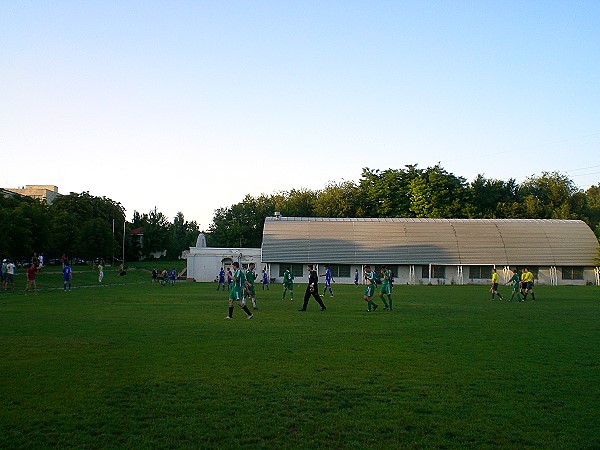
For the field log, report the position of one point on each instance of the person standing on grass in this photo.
(100, 273)
(265, 280)
(221, 280)
(237, 291)
(67, 276)
(9, 276)
(288, 283)
(312, 289)
(328, 279)
(356, 278)
(154, 276)
(386, 287)
(527, 281)
(2, 272)
(30, 276)
(250, 288)
(516, 286)
(173, 276)
(370, 278)
(494, 288)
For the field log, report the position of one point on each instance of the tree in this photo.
(438, 194)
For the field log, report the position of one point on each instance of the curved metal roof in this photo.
(534, 242)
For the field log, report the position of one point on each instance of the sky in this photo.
(190, 105)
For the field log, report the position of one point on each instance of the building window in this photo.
(572, 273)
(339, 270)
(480, 272)
(296, 269)
(436, 271)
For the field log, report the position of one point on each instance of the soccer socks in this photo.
(390, 301)
(253, 302)
(500, 296)
(230, 311)
(525, 295)
(532, 296)
(246, 310)
(384, 302)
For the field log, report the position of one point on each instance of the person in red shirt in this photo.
(31, 272)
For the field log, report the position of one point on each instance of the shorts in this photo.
(386, 289)
(495, 287)
(369, 289)
(528, 285)
(251, 290)
(516, 288)
(9, 278)
(288, 286)
(236, 294)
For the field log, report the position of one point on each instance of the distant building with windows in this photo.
(46, 193)
(433, 251)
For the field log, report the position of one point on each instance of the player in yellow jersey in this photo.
(494, 288)
(527, 284)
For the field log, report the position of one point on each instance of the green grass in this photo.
(143, 366)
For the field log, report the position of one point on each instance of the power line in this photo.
(582, 168)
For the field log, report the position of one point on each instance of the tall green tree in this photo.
(438, 194)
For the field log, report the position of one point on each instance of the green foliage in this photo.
(147, 366)
(410, 192)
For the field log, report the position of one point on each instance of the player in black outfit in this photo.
(312, 289)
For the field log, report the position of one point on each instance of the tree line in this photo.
(411, 192)
(87, 227)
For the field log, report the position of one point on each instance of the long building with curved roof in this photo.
(434, 250)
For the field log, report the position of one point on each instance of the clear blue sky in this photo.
(189, 105)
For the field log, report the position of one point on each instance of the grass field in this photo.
(136, 365)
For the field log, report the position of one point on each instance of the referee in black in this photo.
(312, 289)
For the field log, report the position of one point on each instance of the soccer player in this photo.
(312, 289)
(67, 276)
(100, 273)
(288, 283)
(30, 274)
(328, 279)
(154, 276)
(516, 286)
(229, 279)
(173, 276)
(265, 279)
(527, 280)
(370, 289)
(237, 291)
(356, 278)
(386, 287)
(221, 279)
(494, 288)
(250, 288)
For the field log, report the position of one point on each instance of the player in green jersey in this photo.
(288, 283)
(237, 291)
(250, 288)
(386, 287)
(370, 289)
(516, 286)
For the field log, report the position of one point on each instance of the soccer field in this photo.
(137, 365)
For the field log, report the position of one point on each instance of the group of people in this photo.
(224, 279)
(521, 285)
(7, 274)
(242, 289)
(166, 277)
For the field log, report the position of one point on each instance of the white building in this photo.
(204, 263)
(436, 251)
